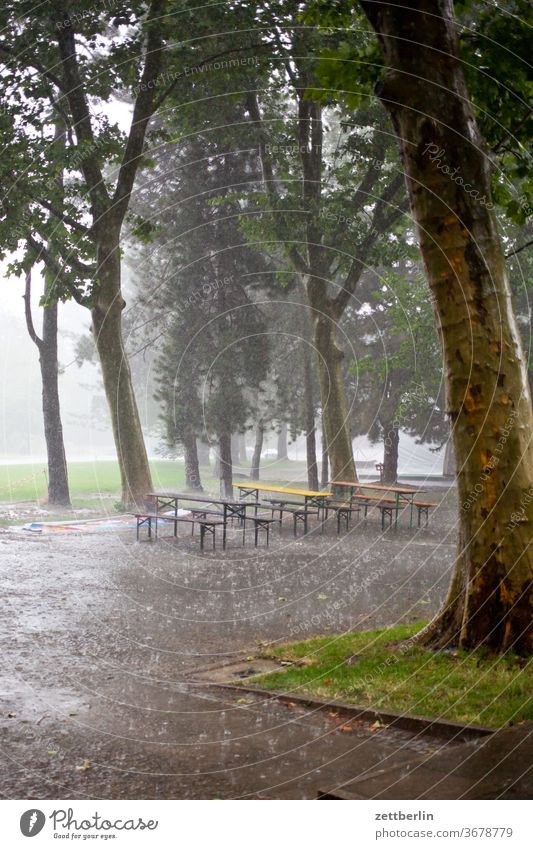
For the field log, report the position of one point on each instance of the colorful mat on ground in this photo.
(85, 526)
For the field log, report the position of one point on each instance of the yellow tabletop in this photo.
(380, 487)
(286, 490)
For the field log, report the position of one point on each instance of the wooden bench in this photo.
(387, 507)
(342, 510)
(206, 525)
(299, 513)
(260, 523)
(423, 508)
(367, 501)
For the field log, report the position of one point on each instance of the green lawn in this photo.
(373, 668)
(90, 480)
(27, 482)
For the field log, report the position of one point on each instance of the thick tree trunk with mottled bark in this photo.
(258, 447)
(107, 330)
(192, 466)
(490, 602)
(226, 465)
(391, 441)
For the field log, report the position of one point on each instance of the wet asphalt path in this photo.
(100, 634)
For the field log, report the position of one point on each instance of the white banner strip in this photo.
(266, 824)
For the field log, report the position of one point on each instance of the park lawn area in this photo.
(373, 668)
(27, 482)
(87, 479)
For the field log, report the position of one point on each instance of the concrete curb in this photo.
(406, 721)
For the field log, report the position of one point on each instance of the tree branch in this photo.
(62, 216)
(379, 224)
(517, 250)
(269, 181)
(170, 88)
(7, 54)
(142, 111)
(79, 107)
(41, 252)
(27, 312)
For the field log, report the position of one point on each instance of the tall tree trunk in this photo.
(226, 466)
(282, 442)
(324, 471)
(202, 449)
(258, 447)
(107, 330)
(391, 441)
(309, 417)
(58, 488)
(192, 467)
(333, 397)
(490, 601)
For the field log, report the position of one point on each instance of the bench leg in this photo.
(213, 531)
(256, 533)
(267, 533)
(202, 535)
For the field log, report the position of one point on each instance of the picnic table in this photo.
(230, 506)
(401, 493)
(315, 499)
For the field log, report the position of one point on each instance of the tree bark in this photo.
(309, 418)
(107, 330)
(108, 212)
(258, 447)
(226, 466)
(324, 472)
(192, 467)
(282, 442)
(333, 396)
(58, 488)
(391, 440)
(490, 601)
